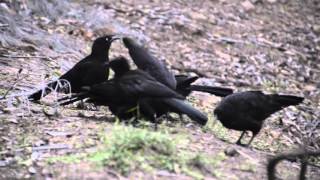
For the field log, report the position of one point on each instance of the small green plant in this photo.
(125, 149)
(66, 159)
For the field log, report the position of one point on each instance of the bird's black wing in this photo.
(146, 62)
(86, 73)
(140, 84)
(72, 76)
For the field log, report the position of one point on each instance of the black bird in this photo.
(148, 63)
(185, 87)
(126, 88)
(303, 155)
(246, 111)
(152, 108)
(130, 88)
(156, 107)
(91, 70)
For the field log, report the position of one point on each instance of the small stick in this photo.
(4, 25)
(51, 147)
(30, 57)
(113, 173)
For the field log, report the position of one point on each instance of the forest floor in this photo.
(269, 45)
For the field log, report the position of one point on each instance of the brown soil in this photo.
(270, 45)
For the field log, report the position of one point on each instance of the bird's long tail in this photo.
(182, 107)
(79, 96)
(218, 91)
(43, 92)
(185, 82)
(73, 98)
(287, 100)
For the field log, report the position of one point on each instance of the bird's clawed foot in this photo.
(240, 144)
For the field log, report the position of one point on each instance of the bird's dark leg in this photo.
(181, 117)
(155, 122)
(79, 104)
(135, 122)
(303, 169)
(138, 111)
(239, 140)
(253, 136)
(167, 116)
(82, 104)
(280, 122)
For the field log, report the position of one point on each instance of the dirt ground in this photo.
(269, 45)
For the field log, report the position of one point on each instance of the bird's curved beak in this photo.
(116, 36)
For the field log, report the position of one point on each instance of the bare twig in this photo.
(116, 9)
(51, 147)
(29, 57)
(113, 173)
(4, 25)
(253, 160)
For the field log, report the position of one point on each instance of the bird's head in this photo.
(129, 42)
(119, 66)
(103, 43)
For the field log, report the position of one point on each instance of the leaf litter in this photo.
(271, 46)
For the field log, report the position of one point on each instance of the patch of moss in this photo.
(66, 159)
(125, 149)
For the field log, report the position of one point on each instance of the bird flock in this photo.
(152, 90)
